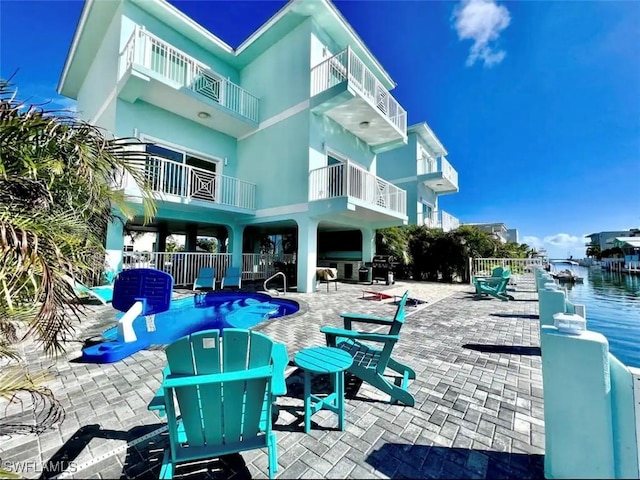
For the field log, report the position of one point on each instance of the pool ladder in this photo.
(274, 291)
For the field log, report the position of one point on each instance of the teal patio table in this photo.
(323, 360)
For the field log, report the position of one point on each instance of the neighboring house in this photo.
(512, 235)
(275, 137)
(498, 230)
(605, 240)
(421, 168)
(630, 246)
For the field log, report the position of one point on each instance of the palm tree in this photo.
(57, 197)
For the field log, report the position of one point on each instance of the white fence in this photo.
(520, 267)
(349, 179)
(173, 178)
(346, 65)
(151, 52)
(184, 266)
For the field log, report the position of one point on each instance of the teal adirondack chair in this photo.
(370, 363)
(493, 280)
(206, 279)
(232, 278)
(225, 389)
(498, 291)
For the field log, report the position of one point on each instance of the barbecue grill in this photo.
(383, 266)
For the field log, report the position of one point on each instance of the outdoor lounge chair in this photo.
(103, 293)
(493, 280)
(206, 279)
(239, 378)
(370, 363)
(232, 278)
(498, 291)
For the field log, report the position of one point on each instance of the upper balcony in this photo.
(438, 175)
(368, 196)
(154, 71)
(345, 90)
(179, 183)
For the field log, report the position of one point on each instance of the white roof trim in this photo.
(74, 44)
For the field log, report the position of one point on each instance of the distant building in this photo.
(498, 230)
(512, 235)
(605, 240)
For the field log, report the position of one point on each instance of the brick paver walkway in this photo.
(478, 393)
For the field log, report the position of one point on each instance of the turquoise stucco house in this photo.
(421, 168)
(281, 135)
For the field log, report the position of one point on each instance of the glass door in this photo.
(335, 178)
(165, 170)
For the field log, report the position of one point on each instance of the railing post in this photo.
(347, 191)
(348, 65)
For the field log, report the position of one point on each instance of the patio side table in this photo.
(323, 360)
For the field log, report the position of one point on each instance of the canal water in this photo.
(613, 309)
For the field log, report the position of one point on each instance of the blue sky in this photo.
(538, 103)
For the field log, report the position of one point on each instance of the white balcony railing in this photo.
(448, 222)
(347, 66)
(184, 266)
(431, 165)
(351, 180)
(149, 51)
(439, 219)
(173, 178)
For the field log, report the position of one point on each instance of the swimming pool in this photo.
(214, 310)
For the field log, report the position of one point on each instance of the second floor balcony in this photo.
(176, 182)
(344, 89)
(438, 175)
(158, 73)
(376, 198)
(439, 219)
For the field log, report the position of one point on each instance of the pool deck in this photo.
(478, 391)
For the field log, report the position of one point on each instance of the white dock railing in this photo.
(173, 178)
(149, 51)
(346, 65)
(184, 266)
(520, 267)
(351, 180)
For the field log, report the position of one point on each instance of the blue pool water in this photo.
(188, 315)
(613, 309)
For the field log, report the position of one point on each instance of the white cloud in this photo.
(560, 245)
(481, 21)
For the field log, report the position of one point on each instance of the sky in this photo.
(537, 102)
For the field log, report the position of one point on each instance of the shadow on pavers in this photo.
(143, 459)
(397, 460)
(507, 349)
(525, 316)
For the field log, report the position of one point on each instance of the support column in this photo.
(307, 255)
(114, 246)
(368, 244)
(191, 238)
(222, 241)
(161, 238)
(235, 242)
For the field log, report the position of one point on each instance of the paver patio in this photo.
(478, 391)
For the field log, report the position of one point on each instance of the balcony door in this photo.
(335, 176)
(177, 172)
